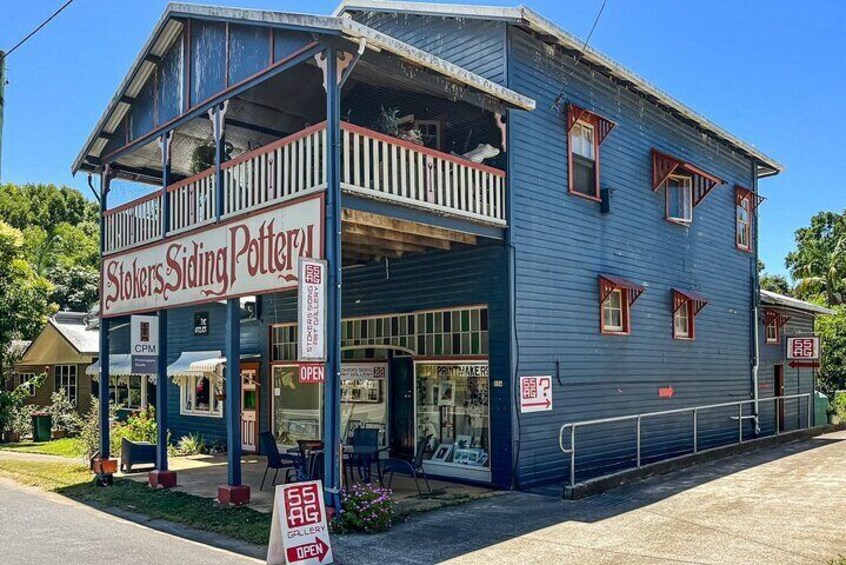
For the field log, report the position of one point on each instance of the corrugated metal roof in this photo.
(73, 327)
(775, 299)
(526, 17)
(163, 34)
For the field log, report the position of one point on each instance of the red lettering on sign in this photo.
(312, 373)
(302, 505)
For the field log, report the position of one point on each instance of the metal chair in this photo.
(366, 438)
(309, 448)
(276, 460)
(413, 467)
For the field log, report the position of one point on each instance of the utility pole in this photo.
(2, 104)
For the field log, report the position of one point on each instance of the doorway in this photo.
(778, 390)
(249, 409)
(402, 408)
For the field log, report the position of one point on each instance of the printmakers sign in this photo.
(251, 255)
(298, 531)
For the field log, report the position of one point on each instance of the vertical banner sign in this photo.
(311, 308)
(298, 532)
(803, 348)
(535, 394)
(144, 344)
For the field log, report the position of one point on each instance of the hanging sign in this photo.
(298, 532)
(144, 344)
(803, 348)
(311, 310)
(201, 323)
(535, 394)
(312, 373)
(251, 255)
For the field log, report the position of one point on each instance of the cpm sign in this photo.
(803, 348)
(299, 532)
(144, 344)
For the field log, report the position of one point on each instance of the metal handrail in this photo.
(571, 451)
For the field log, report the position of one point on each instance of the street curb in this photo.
(608, 482)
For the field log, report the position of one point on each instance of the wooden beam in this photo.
(404, 226)
(370, 251)
(380, 244)
(390, 235)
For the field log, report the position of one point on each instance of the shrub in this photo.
(90, 433)
(838, 406)
(138, 427)
(192, 444)
(22, 419)
(64, 414)
(12, 400)
(366, 509)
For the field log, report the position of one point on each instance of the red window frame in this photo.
(601, 128)
(751, 201)
(773, 319)
(629, 293)
(702, 183)
(695, 302)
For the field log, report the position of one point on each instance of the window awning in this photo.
(697, 300)
(609, 283)
(120, 369)
(197, 364)
(777, 318)
(741, 193)
(664, 165)
(603, 125)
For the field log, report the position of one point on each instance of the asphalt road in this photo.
(38, 528)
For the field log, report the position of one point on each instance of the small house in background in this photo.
(63, 350)
(14, 351)
(784, 317)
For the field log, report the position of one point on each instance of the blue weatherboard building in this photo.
(490, 205)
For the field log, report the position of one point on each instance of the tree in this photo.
(774, 283)
(74, 288)
(832, 331)
(23, 293)
(818, 265)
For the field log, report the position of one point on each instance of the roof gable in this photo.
(60, 343)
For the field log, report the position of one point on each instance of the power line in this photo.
(36, 30)
(580, 55)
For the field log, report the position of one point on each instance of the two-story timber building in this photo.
(491, 206)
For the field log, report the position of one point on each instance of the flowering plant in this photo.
(365, 508)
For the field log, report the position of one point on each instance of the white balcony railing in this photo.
(373, 165)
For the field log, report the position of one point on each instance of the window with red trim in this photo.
(686, 306)
(616, 296)
(746, 202)
(585, 133)
(773, 323)
(685, 186)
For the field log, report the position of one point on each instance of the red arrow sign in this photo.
(315, 550)
(811, 364)
(546, 403)
(665, 392)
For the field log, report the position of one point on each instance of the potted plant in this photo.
(65, 419)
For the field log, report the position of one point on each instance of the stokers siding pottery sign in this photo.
(252, 255)
(311, 308)
(144, 344)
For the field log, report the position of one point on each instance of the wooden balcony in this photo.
(373, 165)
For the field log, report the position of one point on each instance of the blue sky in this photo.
(770, 72)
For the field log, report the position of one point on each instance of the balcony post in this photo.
(332, 388)
(104, 464)
(217, 115)
(233, 493)
(162, 477)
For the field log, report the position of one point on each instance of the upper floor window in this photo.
(679, 199)
(616, 296)
(773, 324)
(686, 305)
(746, 202)
(685, 186)
(586, 131)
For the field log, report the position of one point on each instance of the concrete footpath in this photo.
(781, 505)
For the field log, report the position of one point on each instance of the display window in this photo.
(452, 415)
(364, 399)
(297, 413)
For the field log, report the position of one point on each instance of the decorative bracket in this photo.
(165, 147)
(218, 126)
(503, 129)
(344, 61)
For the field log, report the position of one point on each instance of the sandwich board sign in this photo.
(299, 534)
(144, 344)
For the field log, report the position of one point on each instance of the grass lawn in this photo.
(65, 447)
(75, 481)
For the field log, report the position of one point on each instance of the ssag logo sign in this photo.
(803, 348)
(299, 533)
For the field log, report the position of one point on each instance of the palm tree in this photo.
(819, 262)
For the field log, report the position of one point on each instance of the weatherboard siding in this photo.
(563, 243)
(477, 45)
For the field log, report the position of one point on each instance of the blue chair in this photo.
(367, 438)
(412, 468)
(276, 460)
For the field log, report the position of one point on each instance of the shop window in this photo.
(66, 381)
(452, 414)
(686, 186)
(773, 324)
(126, 391)
(364, 399)
(297, 413)
(616, 296)
(585, 132)
(201, 396)
(686, 306)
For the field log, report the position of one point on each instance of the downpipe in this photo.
(756, 301)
